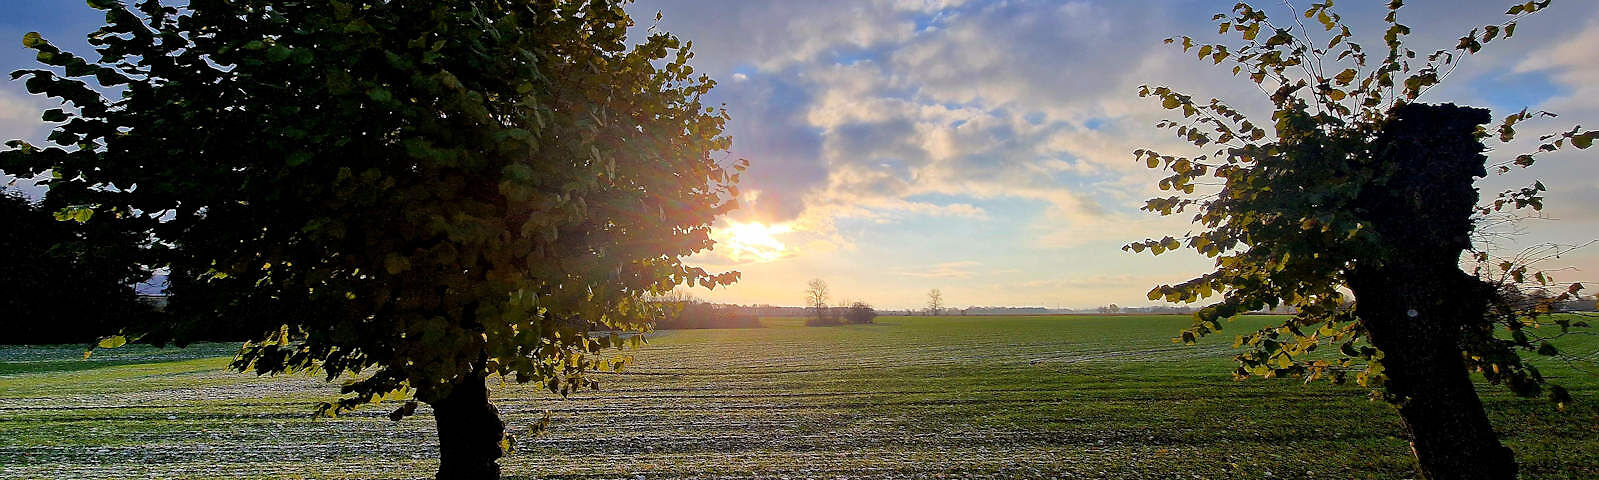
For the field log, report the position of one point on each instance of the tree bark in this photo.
(470, 431)
(1450, 433)
(1414, 300)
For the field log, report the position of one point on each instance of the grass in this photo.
(909, 397)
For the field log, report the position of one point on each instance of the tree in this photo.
(816, 298)
(860, 313)
(1112, 308)
(63, 281)
(935, 302)
(1360, 188)
(681, 310)
(412, 195)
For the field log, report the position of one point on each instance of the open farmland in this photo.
(947, 397)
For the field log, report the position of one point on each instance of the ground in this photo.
(947, 397)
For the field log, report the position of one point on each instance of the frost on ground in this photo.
(941, 398)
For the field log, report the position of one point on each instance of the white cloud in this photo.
(774, 35)
(1572, 64)
(19, 115)
(19, 119)
(898, 110)
(963, 269)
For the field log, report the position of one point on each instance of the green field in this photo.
(947, 397)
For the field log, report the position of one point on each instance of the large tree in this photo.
(1358, 188)
(412, 195)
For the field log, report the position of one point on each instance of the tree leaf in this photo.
(278, 53)
(1345, 77)
(113, 341)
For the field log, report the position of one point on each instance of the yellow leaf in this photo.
(1346, 76)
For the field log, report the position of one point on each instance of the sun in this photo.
(754, 241)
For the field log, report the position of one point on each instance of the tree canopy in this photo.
(416, 194)
(64, 282)
(1285, 225)
(1351, 183)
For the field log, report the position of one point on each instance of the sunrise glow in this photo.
(753, 242)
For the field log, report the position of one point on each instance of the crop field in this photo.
(909, 397)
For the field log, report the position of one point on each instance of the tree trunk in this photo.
(470, 431)
(1450, 433)
(1412, 297)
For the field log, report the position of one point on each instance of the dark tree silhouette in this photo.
(64, 281)
(414, 194)
(1357, 187)
(860, 313)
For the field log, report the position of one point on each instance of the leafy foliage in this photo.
(402, 191)
(1285, 226)
(860, 312)
(64, 281)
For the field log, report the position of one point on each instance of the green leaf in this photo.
(1547, 349)
(380, 95)
(78, 214)
(396, 264)
(32, 40)
(1559, 395)
(1348, 349)
(278, 53)
(303, 56)
(113, 341)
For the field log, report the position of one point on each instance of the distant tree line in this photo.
(682, 311)
(816, 296)
(855, 313)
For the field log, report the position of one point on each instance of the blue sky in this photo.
(983, 147)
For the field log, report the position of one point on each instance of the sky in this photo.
(983, 148)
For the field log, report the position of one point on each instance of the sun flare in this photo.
(754, 241)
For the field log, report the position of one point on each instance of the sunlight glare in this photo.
(754, 241)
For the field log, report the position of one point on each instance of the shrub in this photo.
(860, 312)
